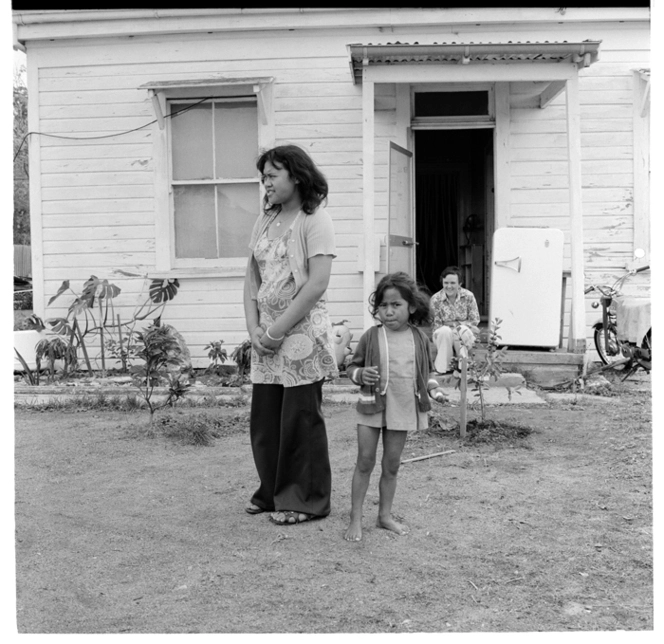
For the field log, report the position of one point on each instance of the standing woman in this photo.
(287, 275)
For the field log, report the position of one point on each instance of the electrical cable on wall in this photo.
(108, 136)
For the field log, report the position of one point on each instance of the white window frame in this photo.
(161, 93)
(454, 122)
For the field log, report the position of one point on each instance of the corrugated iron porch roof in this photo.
(580, 53)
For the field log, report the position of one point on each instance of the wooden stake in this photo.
(123, 357)
(421, 458)
(83, 347)
(463, 386)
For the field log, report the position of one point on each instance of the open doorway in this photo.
(454, 207)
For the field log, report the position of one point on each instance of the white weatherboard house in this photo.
(434, 127)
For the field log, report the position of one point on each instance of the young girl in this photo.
(392, 364)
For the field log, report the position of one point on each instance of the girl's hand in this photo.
(370, 376)
(256, 342)
(268, 343)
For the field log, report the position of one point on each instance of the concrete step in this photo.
(511, 380)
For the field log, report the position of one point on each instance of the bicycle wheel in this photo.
(613, 353)
(645, 359)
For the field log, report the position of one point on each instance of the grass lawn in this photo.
(121, 531)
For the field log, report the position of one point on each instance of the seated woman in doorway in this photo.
(456, 318)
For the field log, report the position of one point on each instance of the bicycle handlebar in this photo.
(611, 291)
(604, 290)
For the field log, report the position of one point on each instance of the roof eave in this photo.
(582, 54)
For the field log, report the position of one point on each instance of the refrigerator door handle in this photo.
(514, 264)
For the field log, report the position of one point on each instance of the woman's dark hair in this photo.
(311, 183)
(451, 270)
(410, 292)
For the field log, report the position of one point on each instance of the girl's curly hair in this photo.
(410, 291)
(312, 185)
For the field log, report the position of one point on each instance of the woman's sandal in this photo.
(289, 517)
(253, 509)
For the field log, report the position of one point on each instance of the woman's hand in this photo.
(270, 344)
(256, 342)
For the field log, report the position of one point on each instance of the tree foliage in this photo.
(21, 174)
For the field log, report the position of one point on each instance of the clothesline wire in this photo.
(108, 136)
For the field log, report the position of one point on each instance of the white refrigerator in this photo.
(526, 286)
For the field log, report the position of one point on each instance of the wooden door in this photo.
(401, 242)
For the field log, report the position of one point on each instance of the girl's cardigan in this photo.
(311, 235)
(367, 353)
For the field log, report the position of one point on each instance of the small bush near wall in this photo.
(23, 301)
(22, 309)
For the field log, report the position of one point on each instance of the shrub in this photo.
(159, 351)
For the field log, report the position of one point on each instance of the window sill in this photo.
(197, 273)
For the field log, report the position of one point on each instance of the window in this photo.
(451, 104)
(207, 188)
(215, 186)
(444, 106)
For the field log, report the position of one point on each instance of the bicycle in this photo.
(615, 351)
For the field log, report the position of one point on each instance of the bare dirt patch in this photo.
(547, 530)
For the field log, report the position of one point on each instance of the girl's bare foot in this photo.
(354, 532)
(390, 524)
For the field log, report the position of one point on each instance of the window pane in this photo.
(236, 139)
(191, 138)
(195, 228)
(451, 104)
(238, 209)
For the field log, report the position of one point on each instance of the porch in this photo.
(540, 366)
(543, 71)
(543, 366)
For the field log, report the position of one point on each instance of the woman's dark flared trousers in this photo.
(289, 443)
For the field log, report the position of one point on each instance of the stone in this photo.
(597, 381)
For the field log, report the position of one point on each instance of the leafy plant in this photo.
(34, 323)
(190, 429)
(481, 372)
(95, 292)
(27, 372)
(92, 314)
(124, 349)
(216, 353)
(21, 161)
(55, 348)
(23, 300)
(242, 356)
(159, 351)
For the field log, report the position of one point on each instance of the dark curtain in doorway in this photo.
(437, 229)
